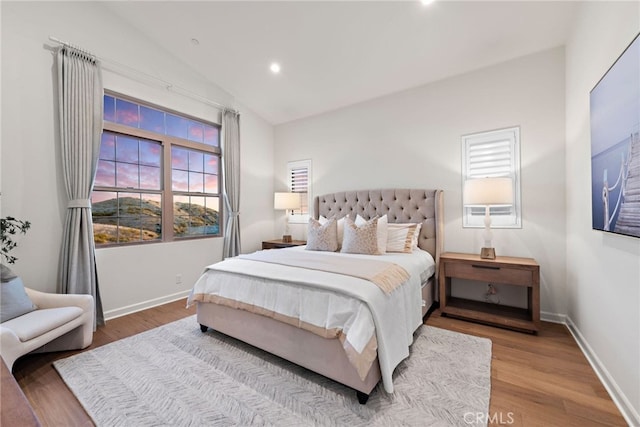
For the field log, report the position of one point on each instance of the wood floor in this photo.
(541, 380)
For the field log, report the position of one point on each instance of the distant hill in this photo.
(142, 220)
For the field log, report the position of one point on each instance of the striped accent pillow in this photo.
(400, 237)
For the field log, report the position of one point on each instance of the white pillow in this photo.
(401, 237)
(414, 241)
(323, 220)
(382, 232)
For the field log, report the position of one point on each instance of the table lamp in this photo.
(286, 201)
(487, 192)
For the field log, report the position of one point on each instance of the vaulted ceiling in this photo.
(337, 53)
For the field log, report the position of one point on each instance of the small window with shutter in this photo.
(299, 181)
(493, 154)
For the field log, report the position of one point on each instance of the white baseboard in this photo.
(553, 317)
(133, 308)
(630, 415)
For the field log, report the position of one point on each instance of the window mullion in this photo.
(167, 193)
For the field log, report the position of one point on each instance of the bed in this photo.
(326, 354)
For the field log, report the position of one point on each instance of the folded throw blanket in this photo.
(386, 275)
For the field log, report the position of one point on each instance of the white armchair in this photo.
(61, 322)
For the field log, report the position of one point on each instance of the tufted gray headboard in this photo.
(400, 205)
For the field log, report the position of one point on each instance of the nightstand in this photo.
(279, 244)
(503, 270)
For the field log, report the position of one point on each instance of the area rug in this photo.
(176, 375)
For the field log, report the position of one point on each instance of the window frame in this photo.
(473, 217)
(300, 218)
(166, 192)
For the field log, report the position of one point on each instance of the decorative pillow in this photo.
(6, 274)
(14, 300)
(400, 237)
(340, 228)
(322, 237)
(381, 233)
(360, 240)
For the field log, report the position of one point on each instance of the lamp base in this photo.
(286, 238)
(488, 253)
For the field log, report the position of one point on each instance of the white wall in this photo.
(603, 270)
(130, 277)
(412, 139)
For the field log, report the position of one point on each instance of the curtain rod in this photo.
(167, 85)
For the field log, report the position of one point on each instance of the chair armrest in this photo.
(48, 300)
(7, 336)
(11, 347)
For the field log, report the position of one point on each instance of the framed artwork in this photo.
(615, 146)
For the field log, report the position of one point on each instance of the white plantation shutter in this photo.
(299, 177)
(493, 154)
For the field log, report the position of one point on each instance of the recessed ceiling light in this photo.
(195, 41)
(274, 67)
(426, 2)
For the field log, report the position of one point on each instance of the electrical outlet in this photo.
(178, 279)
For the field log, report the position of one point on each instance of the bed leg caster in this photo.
(204, 328)
(362, 397)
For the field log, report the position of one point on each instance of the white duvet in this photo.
(329, 300)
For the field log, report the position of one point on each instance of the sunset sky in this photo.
(136, 163)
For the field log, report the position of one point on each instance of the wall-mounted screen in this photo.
(615, 146)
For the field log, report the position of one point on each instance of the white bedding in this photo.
(328, 300)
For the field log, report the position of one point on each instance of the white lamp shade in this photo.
(282, 201)
(488, 192)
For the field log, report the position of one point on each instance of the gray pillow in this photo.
(14, 300)
(6, 274)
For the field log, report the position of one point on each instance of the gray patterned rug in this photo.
(176, 375)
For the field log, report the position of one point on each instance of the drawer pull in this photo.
(486, 267)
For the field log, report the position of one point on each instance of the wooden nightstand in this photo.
(279, 244)
(502, 270)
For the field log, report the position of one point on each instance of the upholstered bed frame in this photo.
(400, 206)
(321, 355)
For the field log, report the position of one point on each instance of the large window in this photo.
(299, 181)
(493, 154)
(157, 175)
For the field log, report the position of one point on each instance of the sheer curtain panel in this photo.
(80, 108)
(231, 173)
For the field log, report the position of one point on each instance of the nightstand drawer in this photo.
(489, 273)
